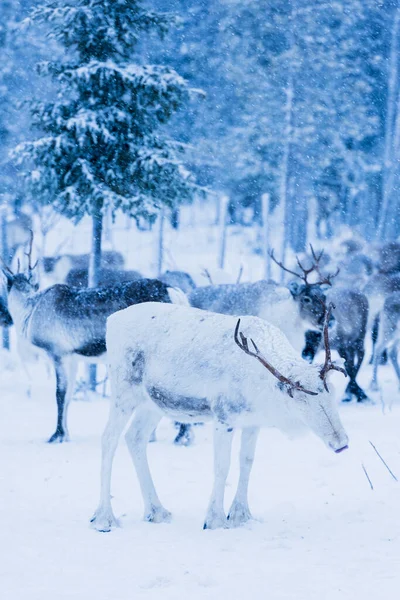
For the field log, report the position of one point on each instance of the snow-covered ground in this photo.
(320, 532)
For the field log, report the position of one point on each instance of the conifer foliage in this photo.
(103, 142)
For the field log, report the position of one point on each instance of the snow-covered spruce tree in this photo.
(103, 145)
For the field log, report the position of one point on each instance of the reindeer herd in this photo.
(239, 355)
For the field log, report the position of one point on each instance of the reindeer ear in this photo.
(294, 287)
(325, 287)
(34, 279)
(8, 275)
(340, 362)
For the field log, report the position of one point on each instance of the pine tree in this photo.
(304, 71)
(292, 97)
(103, 144)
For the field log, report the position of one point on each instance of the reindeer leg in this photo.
(137, 437)
(349, 366)
(379, 348)
(312, 343)
(352, 389)
(374, 336)
(358, 391)
(61, 432)
(239, 512)
(393, 358)
(215, 516)
(103, 519)
(360, 357)
(185, 435)
(72, 370)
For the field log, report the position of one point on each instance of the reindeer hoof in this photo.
(158, 514)
(347, 399)
(366, 400)
(239, 514)
(104, 521)
(307, 356)
(58, 438)
(215, 521)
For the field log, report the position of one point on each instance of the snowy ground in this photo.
(320, 531)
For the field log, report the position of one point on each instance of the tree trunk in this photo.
(5, 256)
(94, 273)
(284, 184)
(160, 242)
(223, 225)
(284, 193)
(390, 125)
(175, 217)
(95, 254)
(265, 203)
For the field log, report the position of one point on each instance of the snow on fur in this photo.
(209, 335)
(184, 363)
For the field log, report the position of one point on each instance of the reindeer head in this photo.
(25, 283)
(310, 399)
(310, 296)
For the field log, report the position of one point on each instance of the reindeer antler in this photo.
(6, 267)
(306, 272)
(206, 273)
(315, 257)
(282, 266)
(327, 279)
(29, 254)
(329, 365)
(290, 385)
(324, 279)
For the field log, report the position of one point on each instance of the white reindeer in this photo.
(183, 363)
(388, 337)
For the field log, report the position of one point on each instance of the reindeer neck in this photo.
(21, 307)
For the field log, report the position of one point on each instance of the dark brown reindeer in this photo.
(69, 324)
(348, 326)
(310, 296)
(268, 300)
